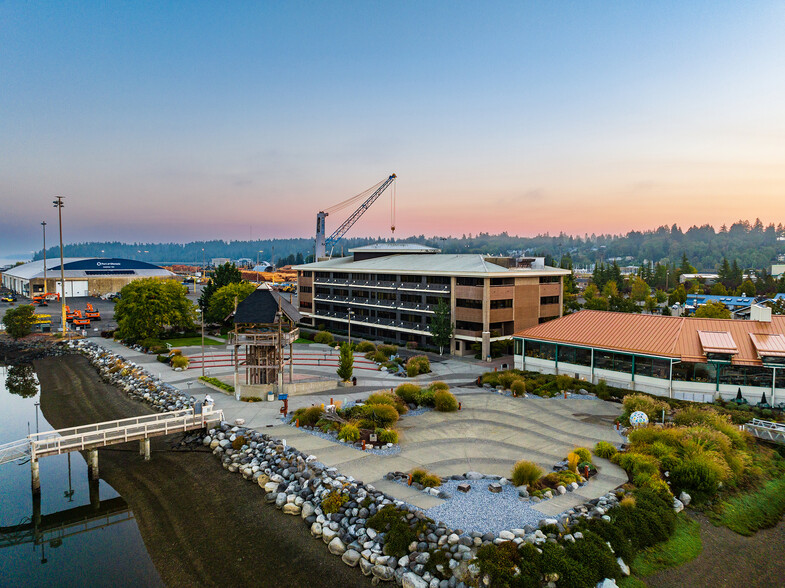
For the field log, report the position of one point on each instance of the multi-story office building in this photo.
(392, 291)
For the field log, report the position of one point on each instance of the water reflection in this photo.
(77, 531)
(21, 380)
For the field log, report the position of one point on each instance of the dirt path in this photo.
(201, 525)
(729, 560)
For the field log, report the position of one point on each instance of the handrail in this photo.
(110, 424)
(181, 421)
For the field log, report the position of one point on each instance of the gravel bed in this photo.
(482, 511)
(417, 411)
(394, 450)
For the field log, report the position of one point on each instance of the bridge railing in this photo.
(82, 429)
(15, 450)
(101, 434)
(766, 430)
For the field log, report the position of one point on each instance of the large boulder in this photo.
(350, 557)
(336, 546)
(291, 509)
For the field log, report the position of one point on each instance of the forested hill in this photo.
(753, 245)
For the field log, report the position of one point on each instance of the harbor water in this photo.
(84, 534)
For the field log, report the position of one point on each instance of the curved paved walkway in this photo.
(488, 435)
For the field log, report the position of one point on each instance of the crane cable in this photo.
(352, 200)
(392, 208)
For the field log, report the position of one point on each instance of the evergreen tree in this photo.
(346, 362)
(441, 325)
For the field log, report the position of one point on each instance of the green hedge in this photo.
(217, 383)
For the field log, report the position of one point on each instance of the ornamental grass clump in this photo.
(381, 416)
(309, 416)
(605, 450)
(425, 478)
(518, 387)
(640, 402)
(365, 347)
(525, 473)
(349, 433)
(324, 337)
(333, 502)
(180, 361)
(387, 435)
(419, 364)
(444, 401)
(426, 398)
(408, 393)
(390, 399)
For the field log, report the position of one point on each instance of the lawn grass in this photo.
(684, 545)
(748, 513)
(193, 342)
(304, 341)
(630, 582)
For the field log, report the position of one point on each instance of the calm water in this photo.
(83, 547)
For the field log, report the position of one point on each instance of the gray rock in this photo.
(365, 566)
(625, 569)
(384, 573)
(474, 476)
(685, 498)
(495, 487)
(336, 546)
(464, 488)
(678, 505)
(350, 557)
(412, 580)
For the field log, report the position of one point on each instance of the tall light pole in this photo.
(58, 203)
(351, 313)
(46, 289)
(201, 313)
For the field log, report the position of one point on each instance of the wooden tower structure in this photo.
(264, 324)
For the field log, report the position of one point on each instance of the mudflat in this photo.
(202, 525)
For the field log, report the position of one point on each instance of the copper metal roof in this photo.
(767, 344)
(717, 342)
(663, 336)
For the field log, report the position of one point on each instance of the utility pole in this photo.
(46, 289)
(58, 203)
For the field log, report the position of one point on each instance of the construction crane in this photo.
(322, 242)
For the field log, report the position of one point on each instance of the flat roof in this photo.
(86, 267)
(463, 264)
(395, 248)
(662, 336)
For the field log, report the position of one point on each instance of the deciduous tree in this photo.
(19, 321)
(223, 301)
(713, 310)
(441, 325)
(149, 307)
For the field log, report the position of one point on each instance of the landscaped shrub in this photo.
(387, 435)
(180, 361)
(408, 393)
(427, 398)
(605, 450)
(381, 415)
(431, 481)
(324, 337)
(394, 523)
(500, 563)
(218, 383)
(444, 401)
(700, 476)
(573, 459)
(365, 347)
(387, 398)
(419, 364)
(751, 512)
(518, 387)
(650, 521)
(333, 502)
(349, 433)
(388, 350)
(379, 357)
(308, 416)
(417, 475)
(506, 379)
(390, 365)
(439, 386)
(238, 443)
(564, 382)
(326, 425)
(583, 453)
(525, 473)
(411, 345)
(651, 406)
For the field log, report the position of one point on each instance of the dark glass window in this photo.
(549, 300)
(468, 303)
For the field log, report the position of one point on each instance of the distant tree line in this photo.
(751, 245)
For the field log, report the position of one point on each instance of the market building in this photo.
(681, 357)
(84, 276)
(390, 292)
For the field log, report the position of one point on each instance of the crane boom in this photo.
(322, 244)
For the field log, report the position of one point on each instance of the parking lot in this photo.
(53, 308)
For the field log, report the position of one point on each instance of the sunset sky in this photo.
(181, 121)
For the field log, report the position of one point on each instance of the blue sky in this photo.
(190, 120)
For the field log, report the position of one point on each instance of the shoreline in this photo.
(202, 526)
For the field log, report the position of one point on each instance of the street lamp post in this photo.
(46, 289)
(350, 315)
(58, 204)
(201, 314)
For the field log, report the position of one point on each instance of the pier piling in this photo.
(92, 464)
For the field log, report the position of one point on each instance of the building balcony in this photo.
(389, 304)
(384, 285)
(376, 322)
